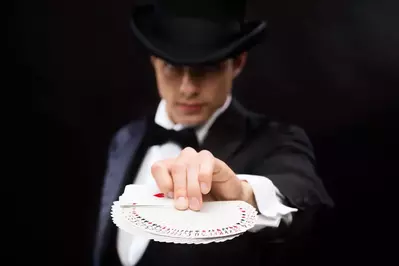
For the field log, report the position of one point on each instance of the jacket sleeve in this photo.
(291, 166)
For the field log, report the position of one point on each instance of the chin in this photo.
(192, 120)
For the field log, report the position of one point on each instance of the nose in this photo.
(189, 85)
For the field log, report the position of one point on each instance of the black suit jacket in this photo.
(250, 144)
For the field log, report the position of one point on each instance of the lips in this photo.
(190, 107)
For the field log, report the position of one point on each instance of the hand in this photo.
(194, 177)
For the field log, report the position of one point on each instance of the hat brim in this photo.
(251, 33)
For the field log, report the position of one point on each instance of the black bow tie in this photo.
(158, 135)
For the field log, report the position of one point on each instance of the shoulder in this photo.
(133, 129)
(286, 134)
(286, 138)
(285, 130)
(261, 123)
(263, 131)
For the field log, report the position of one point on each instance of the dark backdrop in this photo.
(328, 66)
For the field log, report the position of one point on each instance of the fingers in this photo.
(185, 181)
(187, 178)
(193, 187)
(160, 172)
(225, 184)
(221, 172)
(206, 169)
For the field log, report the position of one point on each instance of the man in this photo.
(201, 144)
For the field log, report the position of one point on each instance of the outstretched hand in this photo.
(194, 177)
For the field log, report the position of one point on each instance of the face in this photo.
(194, 93)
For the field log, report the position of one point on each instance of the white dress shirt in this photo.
(268, 198)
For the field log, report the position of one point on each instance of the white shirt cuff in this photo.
(269, 201)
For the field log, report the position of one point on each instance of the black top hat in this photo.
(187, 32)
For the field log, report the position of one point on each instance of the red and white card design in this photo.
(144, 195)
(150, 213)
(127, 227)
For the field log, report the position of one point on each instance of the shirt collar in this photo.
(163, 120)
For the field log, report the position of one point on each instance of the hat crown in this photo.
(209, 9)
(192, 32)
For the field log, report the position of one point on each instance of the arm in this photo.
(287, 175)
(291, 168)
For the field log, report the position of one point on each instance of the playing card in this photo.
(180, 240)
(124, 225)
(144, 195)
(215, 219)
(143, 210)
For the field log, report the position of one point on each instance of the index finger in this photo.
(207, 164)
(161, 174)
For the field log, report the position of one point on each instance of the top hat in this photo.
(190, 32)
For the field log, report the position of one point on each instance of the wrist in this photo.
(248, 194)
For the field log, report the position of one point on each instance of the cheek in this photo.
(219, 89)
(165, 90)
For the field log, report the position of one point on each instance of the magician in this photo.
(200, 144)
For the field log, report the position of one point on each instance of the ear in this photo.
(153, 59)
(239, 63)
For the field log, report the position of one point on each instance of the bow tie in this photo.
(184, 138)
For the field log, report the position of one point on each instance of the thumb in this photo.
(222, 172)
(225, 185)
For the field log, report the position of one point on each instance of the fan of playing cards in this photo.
(143, 210)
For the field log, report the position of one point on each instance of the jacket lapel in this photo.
(121, 154)
(233, 122)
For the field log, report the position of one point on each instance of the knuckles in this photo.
(178, 167)
(187, 157)
(205, 153)
(188, 151)
(156, 167)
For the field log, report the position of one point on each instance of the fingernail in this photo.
(181, 203)
(194, 204)
(170, 194)
(204, 188)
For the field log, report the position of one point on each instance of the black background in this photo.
(328, 66)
